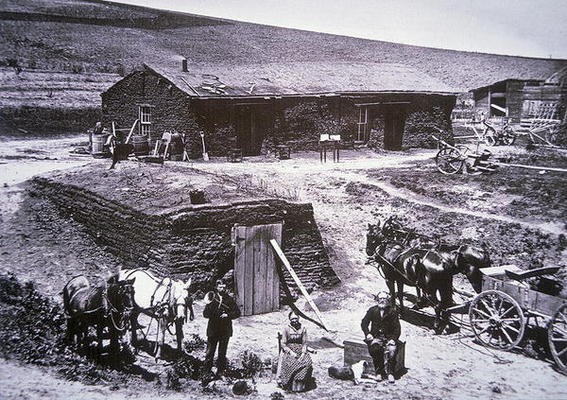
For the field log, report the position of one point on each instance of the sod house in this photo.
(257, 106)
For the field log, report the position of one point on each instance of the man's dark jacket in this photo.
(387, 326)
(221, 327)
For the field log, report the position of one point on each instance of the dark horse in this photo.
(426, 266)
(107, 305)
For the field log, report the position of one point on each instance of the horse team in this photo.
(406, 258)
(117, 303)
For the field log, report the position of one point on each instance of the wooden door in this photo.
(255, 277)
(394, 123)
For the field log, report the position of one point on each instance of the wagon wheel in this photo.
(557, 335)
(497, 320)
(449, 161)
(508, 136)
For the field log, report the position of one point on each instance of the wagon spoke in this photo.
(561, 352)
(510, 320)
(507, 311)
(487, 306)
(476, 321)
(562, 339)
(511, 327)
(484, 330)
(560, 331)
(507, 335)
(483, 313)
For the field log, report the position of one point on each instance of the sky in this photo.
(533, 28)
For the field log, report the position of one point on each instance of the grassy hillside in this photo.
(78, 36)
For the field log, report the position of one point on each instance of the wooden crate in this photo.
(356, 350)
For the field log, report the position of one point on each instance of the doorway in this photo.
(394, 124)
(256, 279)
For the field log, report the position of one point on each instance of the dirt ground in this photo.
(519, 213)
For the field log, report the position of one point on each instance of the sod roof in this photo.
(298, 78)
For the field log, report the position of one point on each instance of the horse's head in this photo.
(470, 260)
(183, 300)
(121, 294)
(373, 238)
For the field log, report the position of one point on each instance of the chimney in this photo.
(184, 65)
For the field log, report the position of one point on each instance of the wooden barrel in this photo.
(141, 146)
(98, 149)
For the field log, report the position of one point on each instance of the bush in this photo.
(251, 364)
(195, 342)
(186, 367)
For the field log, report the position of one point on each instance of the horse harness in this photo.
(109, 310)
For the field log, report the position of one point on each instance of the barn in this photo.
(257, 106)
(524, 98)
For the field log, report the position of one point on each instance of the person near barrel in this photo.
(381, 327)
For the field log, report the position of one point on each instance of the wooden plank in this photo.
(249, 275)
(504, 110)
(277, 236)
(268, 263)
(258, 269)
(531, 273)
(286, 263)
(239, 265)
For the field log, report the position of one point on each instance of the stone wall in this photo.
(170, 107)
(194, 241)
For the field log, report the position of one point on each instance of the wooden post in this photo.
(286, 263)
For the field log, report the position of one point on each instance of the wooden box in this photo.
(356, 350)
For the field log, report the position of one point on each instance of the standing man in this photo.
(220, 310)
(382, 336)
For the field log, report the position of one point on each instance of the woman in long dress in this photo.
(295, 366)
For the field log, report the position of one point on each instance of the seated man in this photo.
(382, 336)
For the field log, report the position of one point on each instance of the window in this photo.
(362, 123)
(145, 120)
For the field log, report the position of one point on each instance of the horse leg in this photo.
(133, 327)
(420, 302)
(160, 337)
(401, 295)
(446, 294)
(179, 334)
(391, 288)
(99, 332)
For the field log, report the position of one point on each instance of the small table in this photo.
(329, 145)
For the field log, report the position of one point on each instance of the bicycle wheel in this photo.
(449, 161)
(508, 136)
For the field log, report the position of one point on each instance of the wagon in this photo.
(500, 313)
